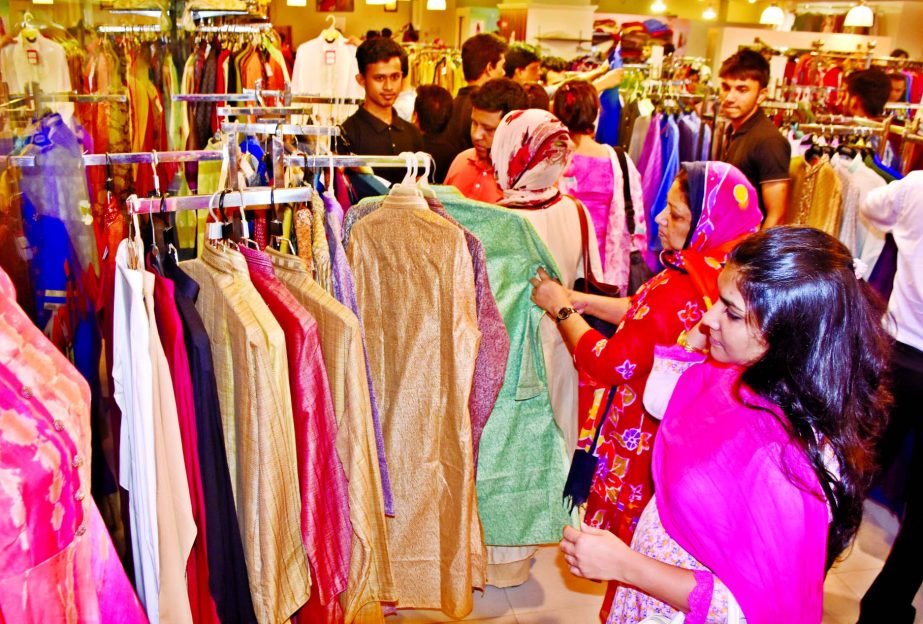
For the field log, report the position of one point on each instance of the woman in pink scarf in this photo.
(763, 456)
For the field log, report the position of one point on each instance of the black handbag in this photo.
(583, 467)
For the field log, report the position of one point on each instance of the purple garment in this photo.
(344, 291)
(650, 165)
(490, 364)
(590, 179)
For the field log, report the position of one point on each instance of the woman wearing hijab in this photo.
(766, 449)
(530, 150)
(710, 208)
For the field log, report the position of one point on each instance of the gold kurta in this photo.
(415, 286)
(251, 370)
(370, 579)
(816, 197)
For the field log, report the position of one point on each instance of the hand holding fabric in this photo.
(548, 293)
(596, 554)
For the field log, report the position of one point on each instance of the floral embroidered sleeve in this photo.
(663, 308)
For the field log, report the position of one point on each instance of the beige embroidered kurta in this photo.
(175, 524)
(248, 350)
(370, 579)
(415, 286)
(323, 270)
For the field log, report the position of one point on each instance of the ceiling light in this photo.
(709, 13)
(42, 1)
(296, 3)
(860, 16)
(376, 2)
(772, 16)
(435, 5)
(658, 6)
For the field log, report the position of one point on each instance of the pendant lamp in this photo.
(658, 6)
(42, 1)
(860, 16)
(772, 15)
(709, 13)
(376, 2)
(296, 3)
(435, 5)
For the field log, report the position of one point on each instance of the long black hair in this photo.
(827, 359)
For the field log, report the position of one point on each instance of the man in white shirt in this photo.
(898, 209)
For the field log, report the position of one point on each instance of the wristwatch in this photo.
(564, 314)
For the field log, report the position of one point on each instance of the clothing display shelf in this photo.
(34, 97)
(254, 28)
(130, 29)
(852, 126)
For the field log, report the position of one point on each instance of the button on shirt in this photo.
(760, 151)
(474, 178)
(369, 135)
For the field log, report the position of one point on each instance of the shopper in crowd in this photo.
(482, 60)
(523, 64)
(753, 144)
(867, 92)
(530, 151)
(711, 207)
(900, 53)
(777, 424)
(472, 171)
(376, 128)
(898, 87)
(554, 70)
(595, 178)
(898, 209)
(537, 96)
(431, 112)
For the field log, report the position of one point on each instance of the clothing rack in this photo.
(279, 128)
(129, 158)
(129, 29)
(264, 196)
(257, 94)
(236, 28)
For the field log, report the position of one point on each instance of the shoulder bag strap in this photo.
(626, 190)
(584, 241)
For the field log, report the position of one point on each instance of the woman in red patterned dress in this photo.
(710, 208)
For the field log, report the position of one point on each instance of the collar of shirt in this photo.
(480, 165)
(185, 286)
(750, 123)
(397, 123)
(258, 262)
(286, 262)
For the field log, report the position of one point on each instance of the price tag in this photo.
(330, 57)
(33, 57)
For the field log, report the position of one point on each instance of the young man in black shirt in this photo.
(482, 60)
(753, 144)
(376, 128)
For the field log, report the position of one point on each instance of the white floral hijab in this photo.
(530, 151)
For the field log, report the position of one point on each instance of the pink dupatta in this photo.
(740, 496)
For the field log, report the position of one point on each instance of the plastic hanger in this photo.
(423, 184)
(330, 33)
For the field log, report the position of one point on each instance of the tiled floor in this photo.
(554, 596)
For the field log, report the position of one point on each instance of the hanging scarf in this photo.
(725, 209)
(738, 493)
(531, 148)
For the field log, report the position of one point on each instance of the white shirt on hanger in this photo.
(327, 69)
(898, 208)
(132, 377)
(42, 61)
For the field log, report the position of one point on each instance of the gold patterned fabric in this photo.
(248, 349)
(415, 286)
(303, 234)
(323, 271)
(175, 524)
(816, 197)
(370, 579)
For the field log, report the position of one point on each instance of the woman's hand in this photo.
(548, 294)
(596, 554)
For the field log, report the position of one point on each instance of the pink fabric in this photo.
(740, 496)
(590, 179)
(57, 562)
(325, 527)
(700, 597)
(170, 328)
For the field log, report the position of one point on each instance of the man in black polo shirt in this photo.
(376, 128)
(754, 145)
